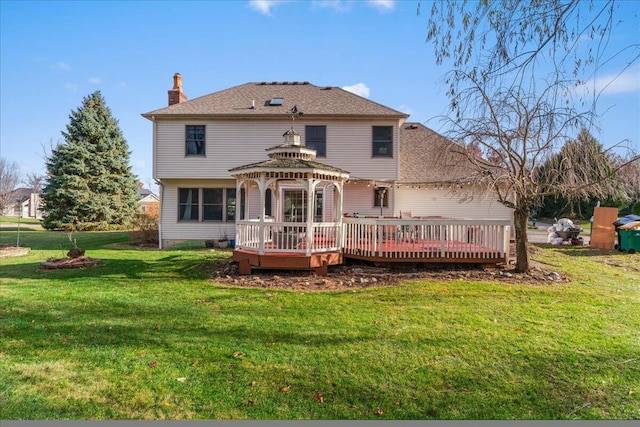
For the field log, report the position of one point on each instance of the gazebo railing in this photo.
(273, 236)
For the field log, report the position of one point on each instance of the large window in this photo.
(382, 141)
(188, 206)
(195, 140)
(206, 204)
(295, 209)
(316, 137)
(212, 204)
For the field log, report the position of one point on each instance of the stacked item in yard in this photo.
(628, 229)
(564, 230)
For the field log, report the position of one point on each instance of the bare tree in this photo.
(9, 180)
(513, 97)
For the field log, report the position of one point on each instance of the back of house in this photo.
(394, 166)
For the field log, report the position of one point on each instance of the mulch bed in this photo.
(363, 275)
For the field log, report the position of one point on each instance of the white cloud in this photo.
(71, 86)
(123, 84)
(265, 6)
(95, 80)
(610, 84)
(140, 164)
(359, 89)
(337, 5)
(62, 66)
(385, 5)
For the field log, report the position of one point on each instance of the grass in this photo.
(146, 335)
(14, 220)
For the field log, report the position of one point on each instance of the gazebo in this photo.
(297, 236)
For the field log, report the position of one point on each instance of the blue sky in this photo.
(54, 53)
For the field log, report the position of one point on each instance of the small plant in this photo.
(72, 240)
(75, 252)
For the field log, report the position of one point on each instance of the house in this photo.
(148, 200)
(24, 203)
(395, 168)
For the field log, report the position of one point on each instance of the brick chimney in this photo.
(176, 95)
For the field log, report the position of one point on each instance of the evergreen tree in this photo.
(90, 183)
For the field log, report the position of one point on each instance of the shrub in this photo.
(636, 208)
(145, 229)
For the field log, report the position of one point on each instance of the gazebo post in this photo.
(310, 184)
(262, 190)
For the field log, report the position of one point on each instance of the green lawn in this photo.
(146, 335)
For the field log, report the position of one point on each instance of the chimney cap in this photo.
(177, 81)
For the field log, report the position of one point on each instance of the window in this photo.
(188, 204)
(295, 209)
(382, 141)
(267, 202)
(294, 206)
(316, 137)
(317, 215)
(381, 194)
(206, 204)
(231, 204)
(194, 141)
(212, 206)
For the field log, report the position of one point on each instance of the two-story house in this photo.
(394, 166)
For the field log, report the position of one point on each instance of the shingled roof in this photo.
(427, 156)
(255, 100)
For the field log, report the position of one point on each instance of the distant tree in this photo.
(9, 180)
(90, 184)
(512, 88)
(636, 208)
(581, 174)
(34, 181)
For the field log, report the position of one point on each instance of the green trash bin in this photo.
(630, 240)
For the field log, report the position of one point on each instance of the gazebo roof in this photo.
(290, 165)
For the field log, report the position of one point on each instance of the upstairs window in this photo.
(382, 141)
(316, 137)
(194, 141)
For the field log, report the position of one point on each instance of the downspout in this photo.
(161, 187)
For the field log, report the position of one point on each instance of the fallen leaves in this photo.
(153, 364)
(319, 398)
(285, 389)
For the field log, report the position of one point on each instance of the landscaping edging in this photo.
(81, 262)
(13, 251)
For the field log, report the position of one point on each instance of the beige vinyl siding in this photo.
(358, 199)
(440, 202)
(191, 230)
(233, 143)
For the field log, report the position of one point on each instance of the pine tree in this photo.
(90, 184)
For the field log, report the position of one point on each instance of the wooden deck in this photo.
(286, 245)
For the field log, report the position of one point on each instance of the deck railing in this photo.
(426, 238)
(411, 239)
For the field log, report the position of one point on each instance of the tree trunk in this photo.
(522, 256)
